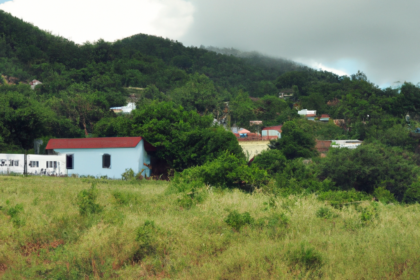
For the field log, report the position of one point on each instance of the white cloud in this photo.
(320, 66)
(90, 20)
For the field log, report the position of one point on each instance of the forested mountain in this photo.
(81, 82)
(180, 90)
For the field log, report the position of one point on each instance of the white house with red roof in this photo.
(108, 156)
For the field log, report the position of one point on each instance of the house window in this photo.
(34, 164)
(70, 161)
(106, 161)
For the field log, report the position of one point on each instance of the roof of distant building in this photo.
(311, 115)
(97, 143)
(325, 116)
(277, 127)
(35, 82)
(322, 145)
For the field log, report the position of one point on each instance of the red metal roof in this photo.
(97, 143)
(277, 127)
(325, 116)
(311, 115)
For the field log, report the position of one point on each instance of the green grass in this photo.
(143, 232)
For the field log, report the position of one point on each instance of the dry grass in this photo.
(52, 241)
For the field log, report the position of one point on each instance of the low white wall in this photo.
(37, 165)
(12, 163)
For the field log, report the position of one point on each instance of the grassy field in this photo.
(144, 232)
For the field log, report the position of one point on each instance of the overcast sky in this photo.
(378, 37)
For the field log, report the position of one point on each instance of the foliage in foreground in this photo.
(152, 237)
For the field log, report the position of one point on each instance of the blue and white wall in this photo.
(89, 161)
(271, 133)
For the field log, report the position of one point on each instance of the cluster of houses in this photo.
(312, 116)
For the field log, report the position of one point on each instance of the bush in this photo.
(412, 194)
(191, 198)
(121, 198)
(271, 160)
(383, 195)
(325, 213)
(86, 201)
(295, 142)
(367, 214)
(128, 175)
(297, 178)
(14, 212)
(306, 257)
(146, 236)
(368, 167)
(227, 171)
(237, 220)
(338, 199)
(276, 220)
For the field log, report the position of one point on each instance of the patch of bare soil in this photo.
(31, 248)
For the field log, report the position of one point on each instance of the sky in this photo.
(378, 37)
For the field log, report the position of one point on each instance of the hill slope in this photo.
(146, 232)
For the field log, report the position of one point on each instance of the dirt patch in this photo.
(31, 248)
(3, 269)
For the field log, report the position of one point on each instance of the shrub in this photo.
(237, 220)
(14, 212)
(271, 160)
(306, 257)
(367, 214)
(86, 201)
(412, 194)
(229, 171)
(191, 198)
(276, 220)
(384, 195)
(146, 236)
(121, 198)
(324, 212)
(368, 167)
(295, 142)
(128, 175)
(297, 177)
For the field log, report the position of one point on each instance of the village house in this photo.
(34, 83)
(324, 118)
(286, 93)
(310, 117)
(306, 112)
(108, 156)
(124, 109)
(271, 132)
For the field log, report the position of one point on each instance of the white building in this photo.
(12, 163)
(305, 112)
(124, 109)
(51, 165)
(34, 83)
(349, 144)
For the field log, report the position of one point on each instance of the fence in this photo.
(48, 165)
